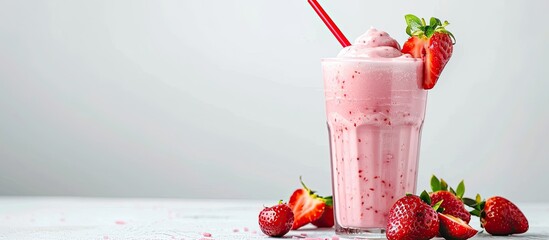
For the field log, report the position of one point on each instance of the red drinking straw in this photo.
(329, 23)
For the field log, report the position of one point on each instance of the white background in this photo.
(223, 99)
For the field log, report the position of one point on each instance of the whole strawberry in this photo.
(432, 43)
(452, 203)
(277, 220)
(307, 206)
(498, 215)
(412, 218)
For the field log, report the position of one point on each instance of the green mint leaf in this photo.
(460, 189)
(425, 197)
(435, 183)
(437, 205)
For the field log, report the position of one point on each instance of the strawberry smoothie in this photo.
(375, 107)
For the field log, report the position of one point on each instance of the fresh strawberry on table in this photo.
(307, 206)
(498, 215)
(454, 228)
(277, 220)
(452, 203)
(413, 218)
(432, 43)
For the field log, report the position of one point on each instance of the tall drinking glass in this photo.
(375, 110)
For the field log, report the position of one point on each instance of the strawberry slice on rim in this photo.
(307, 206)
(432, 43)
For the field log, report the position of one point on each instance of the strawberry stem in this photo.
(305, 187)
(327, 200)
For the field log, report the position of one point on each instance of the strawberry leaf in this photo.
(443, 185)
(413, 22)
(429, 30)
(416, 27)
(460, 189)
(437, 206)
(475, 212)
(469, 202)
(452, 191)
(435, 22)
(446, 23)
(425, 197)
(329, 201)
(435, 184)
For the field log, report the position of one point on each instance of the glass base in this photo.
(360, 233)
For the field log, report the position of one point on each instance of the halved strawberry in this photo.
(432, 43)
(327, 218)
(307, 206)
(454, 228)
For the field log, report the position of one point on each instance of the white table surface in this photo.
(95, 218)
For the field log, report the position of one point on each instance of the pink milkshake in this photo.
(375, 107)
